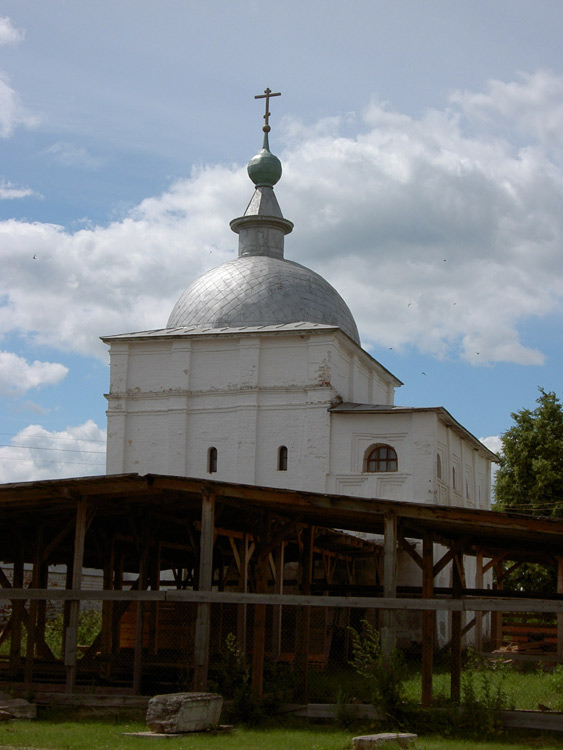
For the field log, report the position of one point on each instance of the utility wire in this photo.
(41, 461)
(40, 448)
(49, 437)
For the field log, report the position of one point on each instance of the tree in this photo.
(530, 478)
(530, 475)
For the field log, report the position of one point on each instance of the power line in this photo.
(41, 461)
(40, 448)
(49, 437)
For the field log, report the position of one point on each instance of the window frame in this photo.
(282, 458)
(212, 460)
(379, 461)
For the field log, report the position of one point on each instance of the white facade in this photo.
(176, 394)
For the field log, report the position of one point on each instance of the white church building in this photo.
(259, 378)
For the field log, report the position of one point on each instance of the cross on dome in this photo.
(267, 96)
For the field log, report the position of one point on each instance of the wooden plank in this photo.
(481, 604)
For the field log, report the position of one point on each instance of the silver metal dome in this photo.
(261, 290)
(260, 287)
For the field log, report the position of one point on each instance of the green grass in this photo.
(523, 688)
(108, 735)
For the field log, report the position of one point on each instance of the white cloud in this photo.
(12, 112)
(36, 453)
(493, 443)
(9, 191)
(438, 238)
(71, 155)
(533, 105)
(17, 376)
(8, 32)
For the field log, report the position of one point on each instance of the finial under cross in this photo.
(267, 96)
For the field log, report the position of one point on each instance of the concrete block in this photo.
(175, 713)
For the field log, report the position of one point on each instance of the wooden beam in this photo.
(496, 559)
(205, 579)
(410, 549)
(449, 556)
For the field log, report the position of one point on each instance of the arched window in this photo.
(438, 466)
(282, 458)
(380, 458)
(212, 461)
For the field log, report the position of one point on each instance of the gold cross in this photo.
(267, 95)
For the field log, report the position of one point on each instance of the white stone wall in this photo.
(246, 395)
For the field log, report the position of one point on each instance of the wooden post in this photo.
(277, 609)
(259, 635)
(457, 584)
(33, 608)
(560, 616)
(388, 635)
(496, 617)
(107, 607)
(304, 613)
(18, 607)
(479, 580)
(202, 627)
(140, 612)
(74, 609)
(428, 619)
(243, 586)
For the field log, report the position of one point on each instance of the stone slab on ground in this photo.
(177, 713)
(221, 729)
(18, 708)
(383, 739)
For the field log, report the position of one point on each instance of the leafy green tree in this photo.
(530, 475)
(530, 478)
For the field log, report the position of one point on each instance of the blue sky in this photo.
(422, 145)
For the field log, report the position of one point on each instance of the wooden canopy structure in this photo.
(163, 541)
